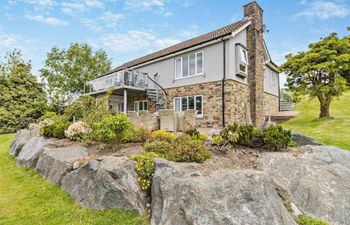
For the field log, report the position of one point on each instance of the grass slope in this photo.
(331, 131)
(26, 198)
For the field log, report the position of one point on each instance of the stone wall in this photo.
(271, 103)
(132, 99)
(236, 101)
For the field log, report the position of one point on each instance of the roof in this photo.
(221, 32)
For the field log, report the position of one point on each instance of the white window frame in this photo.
(195, 105)
(138, 105)
(241, 60)
(195, 65)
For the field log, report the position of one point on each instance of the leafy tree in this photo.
(319, 71)
(66, 71)
(22, 98)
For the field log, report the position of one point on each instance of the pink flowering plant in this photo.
(77, 131)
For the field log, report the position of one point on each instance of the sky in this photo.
(127, 29)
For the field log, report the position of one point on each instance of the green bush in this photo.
(111, 129)
(189, 150)
(162, 135)
(56, 130)
(160, 147)
(140, 133)
(195, 134)
(47, 115)
(80, 108)
(246, 135)
(276, 138)
(145, 168)
(307, 220)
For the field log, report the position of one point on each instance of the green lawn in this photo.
(26, 198)
(333, 131)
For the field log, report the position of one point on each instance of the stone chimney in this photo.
(255, 45)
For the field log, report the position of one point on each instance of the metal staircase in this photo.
(157, 94)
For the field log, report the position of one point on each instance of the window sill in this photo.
(197, 75)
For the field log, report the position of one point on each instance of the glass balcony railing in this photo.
(120, 79)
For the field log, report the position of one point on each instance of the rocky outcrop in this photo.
(184, 194)
(318, 180)
(31, 151)
(110, 182)
(54, 163)
(302, 139)
(22, 137)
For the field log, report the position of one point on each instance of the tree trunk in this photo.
(324, 107)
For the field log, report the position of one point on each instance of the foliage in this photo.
(217, 140)
(195, 134)
(277, 138)
(145, 168)
(46, 115)
(308, 220)
(160, 147)
(162, 135)
(80, 108)
(56, 130)
(22, 97)
(66, 71)
(140, 133)
(27, 198)
(320, 71)
(112, 129)
(246, 135)
(77, 130)
(325, 130)
(189, 150)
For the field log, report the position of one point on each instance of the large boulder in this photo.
(318, 180)
(185, 194)
(302, 139)
(110, 182)
(22, 137)
(54, 163)
(31, 151)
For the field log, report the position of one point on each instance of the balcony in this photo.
(125, 79)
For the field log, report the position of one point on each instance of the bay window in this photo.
(189, 65)
(189, 102)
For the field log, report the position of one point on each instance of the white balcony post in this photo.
(125, 101)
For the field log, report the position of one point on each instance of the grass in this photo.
(26, 198)
(331, 131)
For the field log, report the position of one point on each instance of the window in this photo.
(189, 102)
(241, 61)
(140, 105)
(189, 65)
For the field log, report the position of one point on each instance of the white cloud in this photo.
(111, 19)
(94, 4)
(135, 40)
(71, 8)
(143, 4)
(90, 24)
(8, 42)
(48, 20)
(40, 3)
(324, 10)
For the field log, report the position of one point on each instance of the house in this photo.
(227, 75)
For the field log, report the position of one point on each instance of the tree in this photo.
(66, 71)
(318, 72)
(22, 98)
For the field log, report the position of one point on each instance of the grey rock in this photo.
(54, 163)
(318, 180)
(185, 194)
(110, 182)
(302, 139)
(22, 137)
(31, 151)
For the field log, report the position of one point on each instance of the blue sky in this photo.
(126, 29)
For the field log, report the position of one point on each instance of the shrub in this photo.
(80, 108)
(55, 130)
(218, 140)
(276, 138)
(112, 129)
(245, 135)
(145, 168)
(77, 131)
(195, 134)
(307, 220)
(160, 147)
(47, 115)
(189, 150)
(162, 135)
(140, 133)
